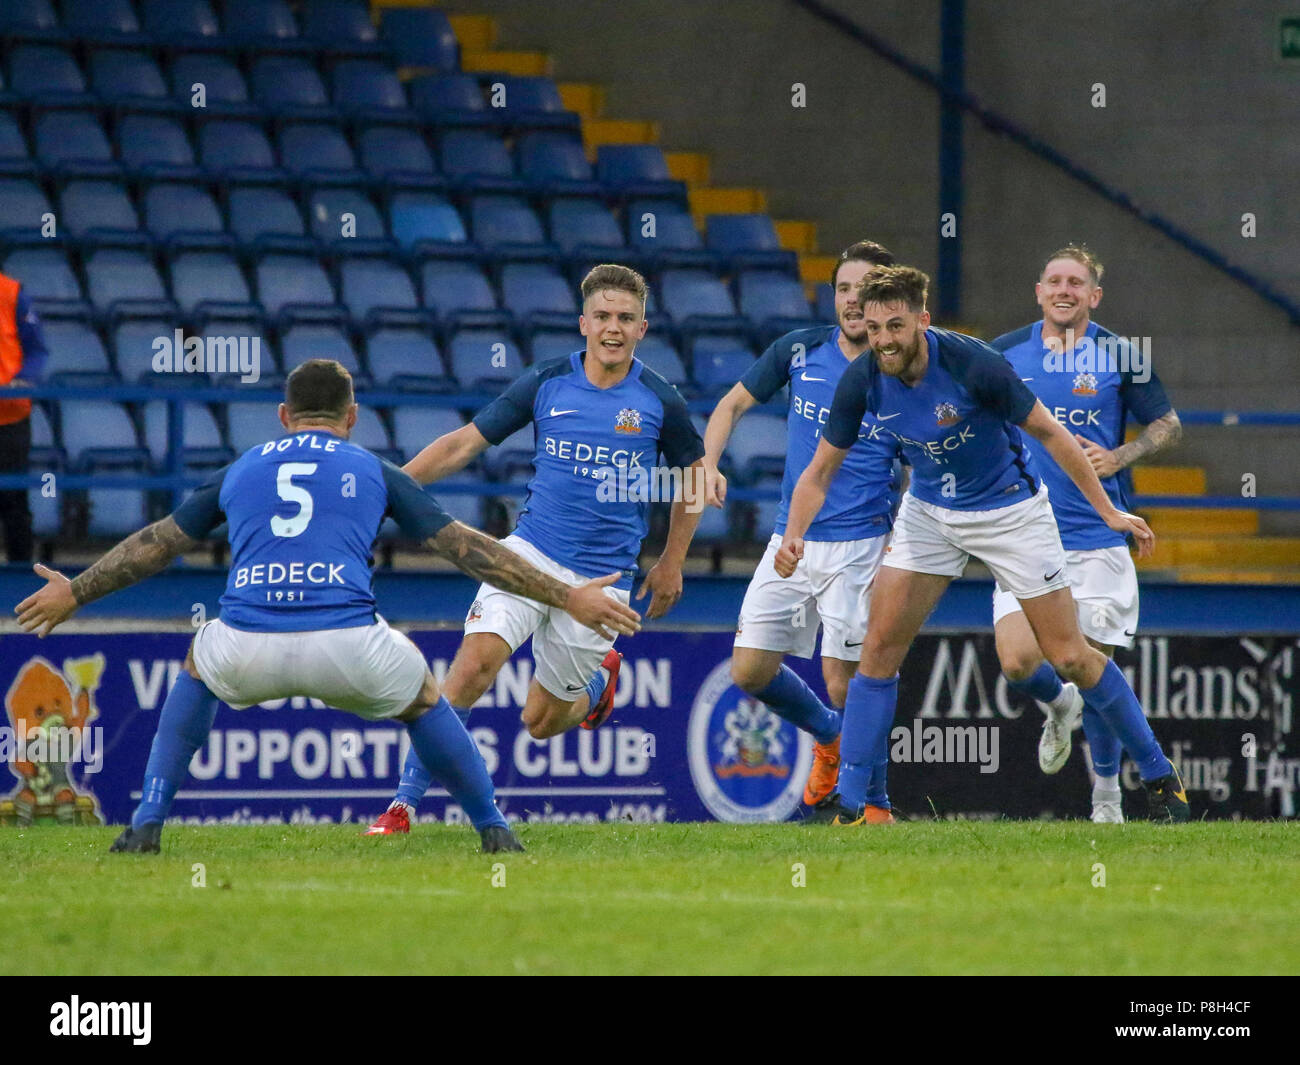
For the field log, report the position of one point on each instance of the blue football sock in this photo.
(445, 748)
(792, 699)
(183, 726)
(1102, 743)
(596, 687)
(864, 743)
(415, 780)
(1118, 707)
(1043, 684)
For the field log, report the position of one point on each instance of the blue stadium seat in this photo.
(555, 164)
(826, 303)
(155, 146)
(46, 454)
(476, 159)
(179, 210)
(102, 435)
(513, 457)
(28, 15)
(692, 293)
(97, 209)
(201, 444)
(74, 143)
(47, 73)
(547, 344)
(176, 20)
(749, 240)
(76, 351)
(532, 103)
(415, 428)
(371, 433)
(286, 280)
(364, 85)
(133, 343)
(527, 288)
(46, 276)
(15, 157)
(341, 26)
(450, 286)
(662, 357)
(422, 217)
(115, 513)
(584, 226)
(318, 340)
(125, 77)
(263, 212)
(22, 203)
(407, 360)
(368, 284)
(451, 101)
(665, 235)
(224, 89)
(774, 301)
(484, 358)
(420, 37)
(289, 85)
(399, 156)
(636, 170)
(267, 22)
(718, 362)
(101, 19)
(504, 220)
(758, 445)
(325, 211)
(319, 152)
(251, 425)
(238, 151)
(200, 277)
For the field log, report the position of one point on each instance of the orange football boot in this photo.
(824, 773)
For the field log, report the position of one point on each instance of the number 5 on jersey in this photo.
(292, 493)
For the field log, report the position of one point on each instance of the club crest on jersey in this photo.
(1085, 384)
(475, 611)
(946, 414)
(627, 421)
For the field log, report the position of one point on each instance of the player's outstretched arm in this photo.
(449, 454)
(664, 581)
(807, 499)
(716, 434)
(1070, 457)
(140, 555)
(478, 555)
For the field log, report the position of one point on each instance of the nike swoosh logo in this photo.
(573, 687)
(556, 413)
(847, 644)
(1180, 795)
(1050, 576)
(805, 377)
(1133, 633)
(886, 417)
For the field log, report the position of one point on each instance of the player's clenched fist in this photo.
(589, 604)
(788, 557)
(715, 487)
(1131, 525)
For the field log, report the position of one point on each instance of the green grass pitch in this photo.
(920, 897)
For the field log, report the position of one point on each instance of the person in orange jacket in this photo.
(22, 362)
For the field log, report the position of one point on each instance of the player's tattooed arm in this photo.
(140, 555)
(1163, 433)
(481, 557)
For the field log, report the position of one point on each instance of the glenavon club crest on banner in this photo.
(746, 763)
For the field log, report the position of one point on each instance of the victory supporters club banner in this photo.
(683, 743)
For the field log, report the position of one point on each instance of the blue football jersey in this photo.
(304, 511)
(862, 495)
(597, 452)
(1091, 391)
(955, 425)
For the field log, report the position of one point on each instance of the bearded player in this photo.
(1092, 382)
(598, 415)
(954, 404)
(845, 542)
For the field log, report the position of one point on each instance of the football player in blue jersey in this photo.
(601, 420)
(298, 614)
(1091, 381)
(845, 542)
(954, 404)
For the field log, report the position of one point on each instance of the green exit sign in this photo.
(1289, 38)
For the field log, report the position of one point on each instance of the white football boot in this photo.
(1064, 713)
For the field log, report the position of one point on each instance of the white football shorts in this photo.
(830, 586)
(371, 670)
(1104, 584)
(1020, 544)
(565, 653)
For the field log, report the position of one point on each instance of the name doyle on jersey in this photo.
(1105, 354)
(194, 354)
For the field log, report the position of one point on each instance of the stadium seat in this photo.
(451, 101)
(326, 210)
(555, 164)
(368, 284)
(46, 276)
(635, 170)
(22, 205)
(694, 293)
(133, 343)
(484, 358)
(200, 277)
(826, 304)
(73, 142)
(76, 351)
(238, 151)
(99, 435)
(115, 513)
(584, 228)
(513, 457)
(127, 77)
(662, 357)
(532, 103)
(15, 157)
(476, 159)
(251, 425)
(269, 23)
(28, 15)
(201, 444)
(292, 281)
(666, 236)
(97, 209)
(363, 85)
(318, 340)
(319, 152)
(748, 240)
(263, 212)
(399, 156)
(420, 37)
(371, 433)
(718, 362)
(100, 19)
(289, 85)
(224, 89)
(174, 21)
(176, 211)
(529, 288)
(758, 445)
(46, 454)
(341, 26)
(407, 360)
(501, 221)
(773, 301)
(547, 344)
(422, 217)
(450, 286)
(415, 428)
(155, 146)
(47, 73)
